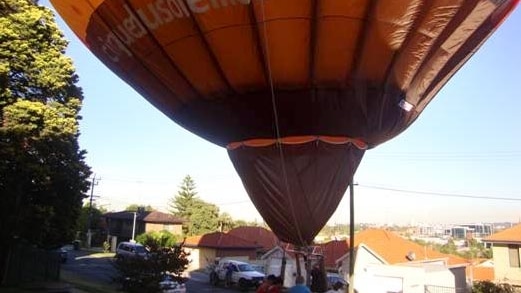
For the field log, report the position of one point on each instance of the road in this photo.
(96, 268)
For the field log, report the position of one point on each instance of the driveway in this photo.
(92, 271)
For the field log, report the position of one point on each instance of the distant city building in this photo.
(480, 230)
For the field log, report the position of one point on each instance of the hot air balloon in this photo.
(296, 90)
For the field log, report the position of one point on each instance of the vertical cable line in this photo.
(276, 119)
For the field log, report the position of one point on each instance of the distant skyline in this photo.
(460, 162)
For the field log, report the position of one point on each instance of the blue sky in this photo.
(467, 142)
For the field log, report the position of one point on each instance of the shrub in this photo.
(157, 239)
(106, 246)
(143, 274)
(490, 287)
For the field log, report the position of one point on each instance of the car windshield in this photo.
(140, 249)
(245, 268)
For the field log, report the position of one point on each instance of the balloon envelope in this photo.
(296, 89)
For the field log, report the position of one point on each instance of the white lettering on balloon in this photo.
(154, 15)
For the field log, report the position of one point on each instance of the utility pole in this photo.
(351, 288)
(89, 218)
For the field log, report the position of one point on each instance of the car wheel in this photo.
(243, 284)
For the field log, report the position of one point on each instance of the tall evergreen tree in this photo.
(43, 175)
(202, 217)
(186, 196)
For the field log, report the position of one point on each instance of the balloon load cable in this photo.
(276, 120)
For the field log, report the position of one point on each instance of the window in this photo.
(513, 256)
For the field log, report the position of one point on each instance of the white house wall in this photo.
(406, 279)
(272, 262)
(502, 270)
(200, 258)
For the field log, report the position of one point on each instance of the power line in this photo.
(442, 194)
(450, 157)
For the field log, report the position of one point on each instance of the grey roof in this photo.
(148, 217)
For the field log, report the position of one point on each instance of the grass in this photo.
(86, 286)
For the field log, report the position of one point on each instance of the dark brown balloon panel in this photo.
(245, 70)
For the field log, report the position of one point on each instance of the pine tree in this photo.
(182, 203)
(201, 217)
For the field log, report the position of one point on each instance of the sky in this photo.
(460, 162)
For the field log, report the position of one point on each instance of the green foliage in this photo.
(202, 217)
(183, 201)
(106, 246)
(449, 248)
(490, 287)
(157, 239)
(95, 221)
(32, 62)
(226, 222)
(134, 207)
(43, 174)
(475, 248)
(138, 274)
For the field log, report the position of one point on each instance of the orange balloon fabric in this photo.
(243, 72)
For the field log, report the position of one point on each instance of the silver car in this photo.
(131, 249)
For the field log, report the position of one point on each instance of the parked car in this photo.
(62, 253)
(333, 278)
(243, 274)
(130, 249)
(169, 285)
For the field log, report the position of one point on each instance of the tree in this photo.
(143, 274)
(490, 287)
(202, 217)
(449, 248)
(226, 222)
(184, 200)
(134, 207)
(94, 212)
(43, 174)
(157, 239)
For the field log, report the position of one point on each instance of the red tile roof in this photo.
(159, 217)
(510, 235)
(220, 240)
(333, 250)
(394, 249)
(258, 235)
(481, 273)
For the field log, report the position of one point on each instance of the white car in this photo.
(169, 285)
(243, 274)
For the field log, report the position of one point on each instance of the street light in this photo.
(134, 228)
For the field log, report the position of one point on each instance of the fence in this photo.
(441, 289)
(30, 264)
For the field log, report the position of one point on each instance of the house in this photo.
(265, 238)
(206, 249)
(272, 262)
(385, 259)
(120, 225)
(505, 251)
(332, 251)
(481, 270)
